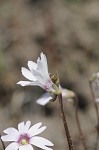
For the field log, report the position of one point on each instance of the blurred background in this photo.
(67, 31)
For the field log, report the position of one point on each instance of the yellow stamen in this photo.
(24, 142)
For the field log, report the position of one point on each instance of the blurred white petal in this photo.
(97, 99)
(24, 83)
(44, 99)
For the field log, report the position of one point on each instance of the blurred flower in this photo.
(94, 76)
(37, 74)
(46, 97)
(24, 138)
(97, 99)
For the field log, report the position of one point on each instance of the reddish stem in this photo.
(70, 143)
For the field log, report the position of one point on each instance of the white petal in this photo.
(64, 92)
(44, 99)
(25, 83)
(44, 61)
(27, 125)
(43, 82)
(39, 76)
(26, 147)
(12, 146)
(26, 73)
(32, 65)
(42, 65)
(13, 135)
(9, 138)
(21, 127)
(41, 142)
(36, 129)
(11, 130)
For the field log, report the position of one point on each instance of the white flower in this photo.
(37, 74)
(25, 137)
(46, 97)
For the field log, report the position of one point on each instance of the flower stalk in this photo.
(95, 104)
(78, 124)
(67, 132)
(97, 113)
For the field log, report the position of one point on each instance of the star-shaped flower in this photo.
(46, 97)
(25, 137)
(37, 74)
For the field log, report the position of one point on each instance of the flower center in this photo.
(24, 142)
(23, 139)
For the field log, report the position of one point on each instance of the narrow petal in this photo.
(24, 83)
(44, 61)
(42, 65)
(27, 126)
(12, 146)
(7, 138)
(26, 147)
(35, 129)
(32, 65)
(44, 99)
(27, 83)
(26, 73)
(41, 142)
(21, 127)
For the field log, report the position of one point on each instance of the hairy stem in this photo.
(70, 143)
(78, 124)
